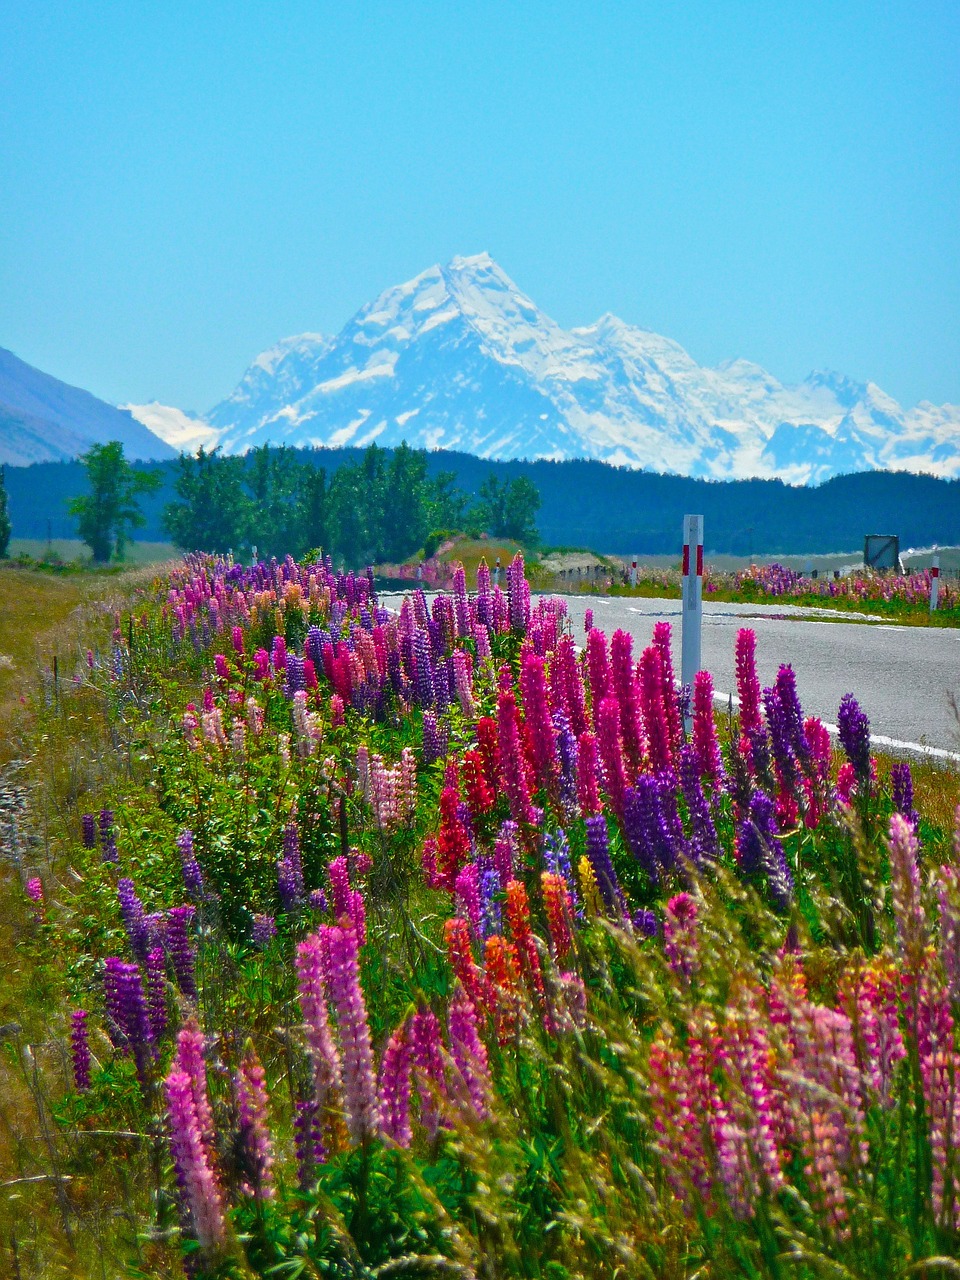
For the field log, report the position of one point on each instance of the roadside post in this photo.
(691, 603)
(934, 584)
(496, 573)
(633, 572)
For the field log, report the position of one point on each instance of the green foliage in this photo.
(111, 509)
(508, 509)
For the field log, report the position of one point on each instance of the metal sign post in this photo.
(633, 572)
(934, 584)
(691, 602)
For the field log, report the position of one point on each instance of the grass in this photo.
(72, 550)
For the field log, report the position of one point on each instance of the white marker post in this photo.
(934, 584)
(691, 602)
(633, 572)
(496, 573)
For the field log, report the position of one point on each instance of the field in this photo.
(349, 943)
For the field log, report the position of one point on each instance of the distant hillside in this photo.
(44, 420)
(613, 509)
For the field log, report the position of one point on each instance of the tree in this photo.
(111, 509)
(509, 510)
(212, 513)
(4, 515)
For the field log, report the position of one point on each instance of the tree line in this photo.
(383, 507)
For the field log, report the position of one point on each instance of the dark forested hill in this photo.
(612, 509)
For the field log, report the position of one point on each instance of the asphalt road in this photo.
(901, 676)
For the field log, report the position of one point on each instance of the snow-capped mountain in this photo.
(180, 430)
(459, 358)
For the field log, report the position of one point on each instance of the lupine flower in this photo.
(588, 770)
(536, 707)
(108, 842)
(180, 948)
(705, 744)
(89, 831)
(323, 1049)
(192, 875)
(456, 934)
(661, 639)
(255, 1141)
(905, 886)
(467, 889)
(127, 1010)
(195, 1176)
(264, 930)
(512, 771)
(491, 885)
(427, 1046)
(611, 752)
(435, 736)
(395, 1086)
(518, 594)
(748, 685)
(131, 911)
(948, 898)
(869, 998)
(649, 829)
(944, 1107)
(784, 759)
(598, 855)
(704, 842)
(598, 671)
(157, 992)
(655, 718)
(673, 1104)
(901, 781)
(558, 908)
(624, 686)
(80, 1049)
(348, 904)
(854, 730)
(346, 997)
(680, 944)
(468, 1052)
(307, 1141)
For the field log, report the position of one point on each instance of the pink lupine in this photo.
(911, 922)
(588, 774)
(356, 1055)
(395, 1086)
(943, 1101)
(623, 682)
(512, 768)
(655, 719)
(428, 1068)
(195, 1174)
(747, 1054)
(729, 1138)
(869, 998)
(190, 1059)
(673, 1104)
(463, 681)
(611, 752)
(705, 744)
(597, 670)
(536, 709)
(468, 1052)
(467, 889)
(250, 1085)
(323, 1048)
(748, 684)
(348, 904)
(948, 898)
(661, 640)
(680, 942)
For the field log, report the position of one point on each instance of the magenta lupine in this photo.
(518, 594)
(655, 719)
(512, 767)
(748, 683)
(568, 675)
(195, 1176)
(611, 753)
(347, 903)
(661, 639)
(427, 1045)
(536, 711)
(948, 898)
(395, 1086)
(588, 774)
(323, 1048)
(598, 672)
(190, 1059)
(253, 1124)
(680, 942)
(905, 888)
(80, 1049)
(869, 998)
(468, 1051)
(623, 681)
(674, 1111)
(356, 1061)
(705, 744)
(943, 1101)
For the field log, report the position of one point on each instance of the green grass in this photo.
(73, 550)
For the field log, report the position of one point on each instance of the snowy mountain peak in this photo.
(460, 358)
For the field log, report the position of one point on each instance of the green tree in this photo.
(275, 514)
(213, 511)
(111, 509)
(315, 508)
(509, 509)
(4, 515)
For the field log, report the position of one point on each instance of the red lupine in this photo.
(480, 795)
(456, 933)
(705, 743)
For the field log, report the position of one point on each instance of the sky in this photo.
(181, 185)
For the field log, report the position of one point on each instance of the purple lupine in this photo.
(264, 930)
(518, 594)
(567, 755)
(253, 1127)
(108, 841)
(89, 823)
(468, 1051)
(296, 680)
(649, 831)
(180, 948)
(156, 991)
(490, 890)
(317, 900)
(80, 1049)
(127, 1009)
(781, 742)
(423, 684)
(645, 923)
(395, 1086)
(195, 1176)
(307, 1141)
(704, 842)
(556, 857)
(854, 731)
(467, 888)
(506, 850)
(428, 1063)
(435, 738)
(598, 854)
(786, 687)
(192, 875)
(484, 599)
(290, 870)
(761, 855)
(131, 911)
(346, 997)
(901, 781)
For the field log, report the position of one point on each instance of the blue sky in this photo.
(183, 184)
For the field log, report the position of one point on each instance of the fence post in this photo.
(633, 572)
(496, 573)
(934, 584)
(691, 602)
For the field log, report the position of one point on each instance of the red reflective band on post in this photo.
(686, 559)
(699, 562)
(935, 571)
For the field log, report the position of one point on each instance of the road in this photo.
(901, 676)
